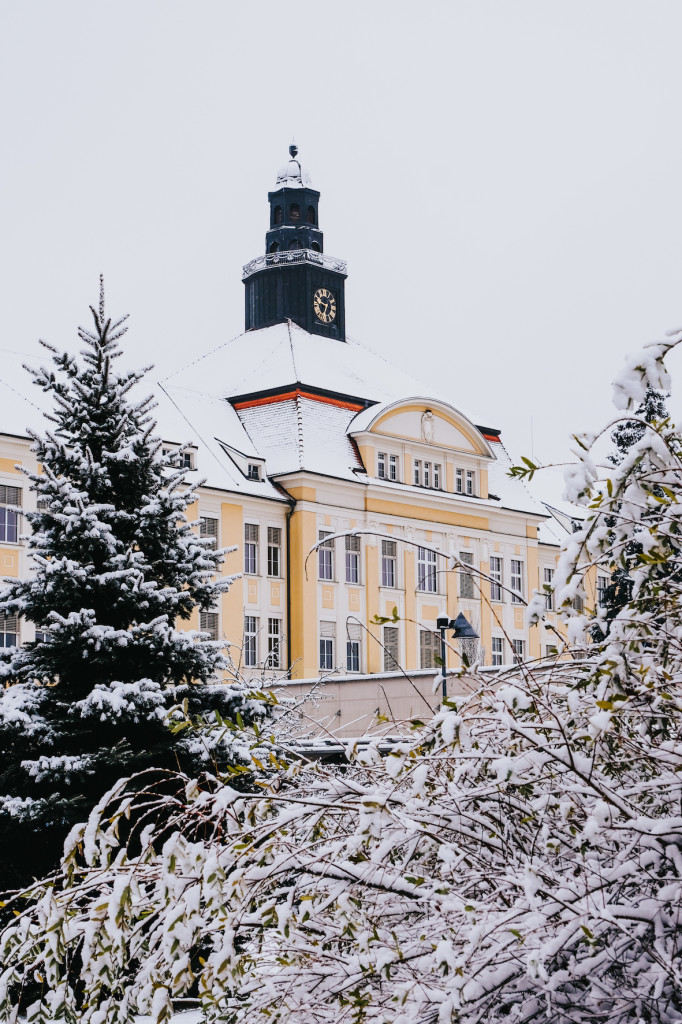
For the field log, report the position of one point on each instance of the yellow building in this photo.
(301, 434)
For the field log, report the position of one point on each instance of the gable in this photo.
(433, 424)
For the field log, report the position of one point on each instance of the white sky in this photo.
(503, 179)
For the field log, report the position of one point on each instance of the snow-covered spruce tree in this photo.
(625, 434)
(518, 859)
(115, 564)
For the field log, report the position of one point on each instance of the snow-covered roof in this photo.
(303, 433)
(285, 354)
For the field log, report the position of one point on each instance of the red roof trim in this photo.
(288, 395)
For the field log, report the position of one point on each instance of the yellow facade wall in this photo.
(232, 532)
(303, 626)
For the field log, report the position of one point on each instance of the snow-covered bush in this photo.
(519, 859)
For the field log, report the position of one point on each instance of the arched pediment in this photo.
(423, 420)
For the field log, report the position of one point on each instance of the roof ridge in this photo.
(299, 429)
(291, 348)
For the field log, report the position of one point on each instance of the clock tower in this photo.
(295, 280)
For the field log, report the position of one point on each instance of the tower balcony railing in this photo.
(287, 257)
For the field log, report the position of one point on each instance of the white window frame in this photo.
(275, 638)
(208, 529)
(389, 564)
(250, 649)
(496, 579)
(548, 580)
(602, 584)
(381, 466)
(519, 649)
(251, 548)
(517, 574)
(497, 651)
(471, 483)
(427, 576)
(353, 551)
(417, 472)
(10, 513)
(327, 646)
(209, 622)
(9, 631)
(437, 472)
(393, 473)
(325, 557)
(459, 481)
(427, 474)
(275, 552)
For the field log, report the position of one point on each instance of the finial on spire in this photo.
(293, 150)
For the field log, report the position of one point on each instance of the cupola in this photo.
(294, 280)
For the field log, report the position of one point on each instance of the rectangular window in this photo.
(417, 473)
(188, 460)
(497, 643)
(325, 556)
(274, 550)
(393, 467)
(250, 641)
(388, 563)
(208, 623)
(427, 474)
(519, 650)
(551, 651)
(253, 471)
(459, 484)
(436, 475)
(42, 636)
(274, 643)
(9, 630)
(381, 465)
(548, 577)
(353, 647)
(602, 584)
(466, 578)
(391, 639)
(251, 549)
(352, 559)
(327, 638)
(496, 579)
(9, 517)
(429, 648)
(208, 528)
(426, 571)
(517, 581)
(470, 482)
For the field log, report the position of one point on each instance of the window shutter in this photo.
(274, 535)
(354, 630)
(208, 527)
(9, 624)
(251, 532)
(328, 630)
(10, 495)
(390, 648)
(352, 543)
(208, 623)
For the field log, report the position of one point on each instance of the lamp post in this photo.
(462, 630)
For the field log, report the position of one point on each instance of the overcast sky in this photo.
(503, 179)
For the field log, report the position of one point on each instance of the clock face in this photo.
(324, 305)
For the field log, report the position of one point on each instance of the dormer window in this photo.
(294, 212)
(387, 466)
(471, 483)
(277, 216)
(253, 471)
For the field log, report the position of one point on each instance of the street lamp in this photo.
(463, 630)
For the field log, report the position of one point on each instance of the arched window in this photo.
(295, 244)
(277, 215)
(274, 246)
(310, 217)
(294, 212)
(315, 246)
